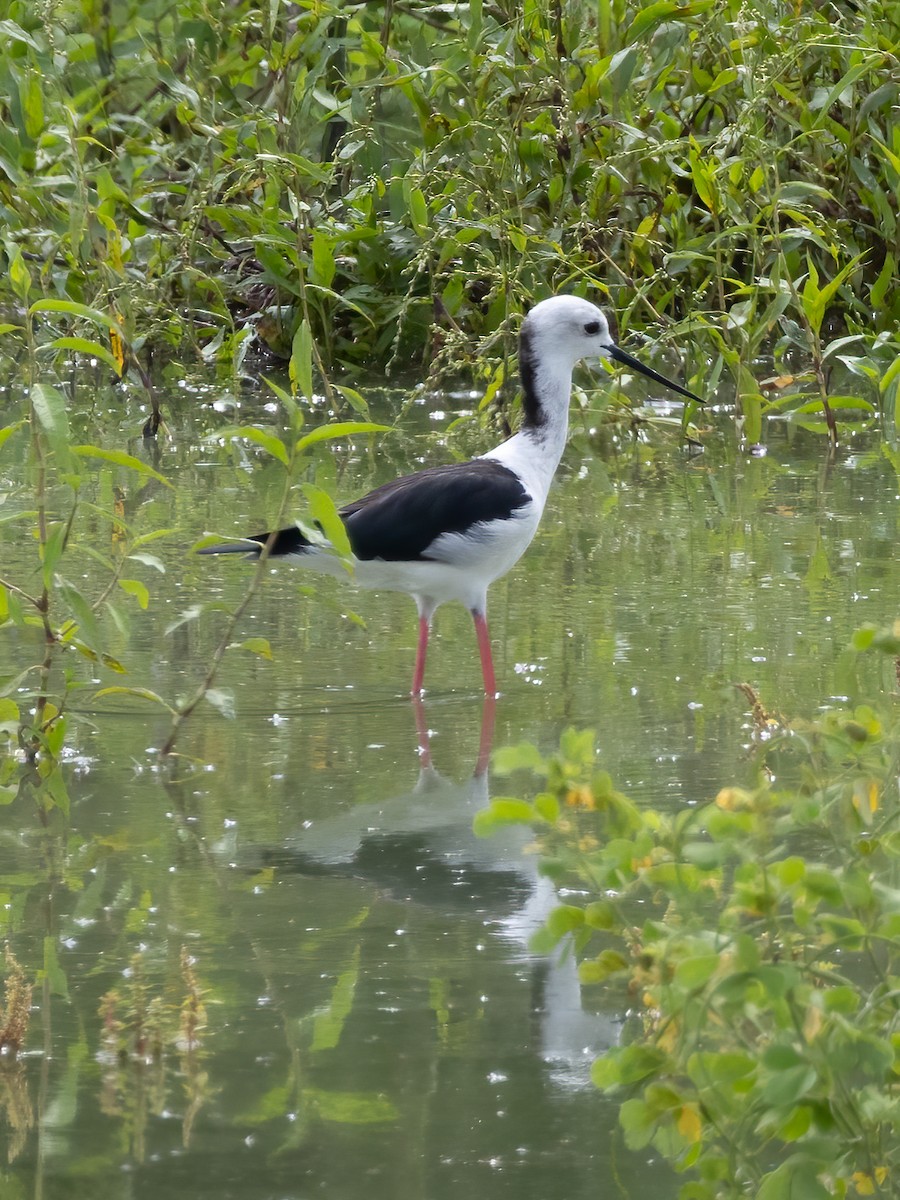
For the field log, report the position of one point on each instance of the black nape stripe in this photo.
(533, 412)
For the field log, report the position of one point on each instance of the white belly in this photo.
(460, 566)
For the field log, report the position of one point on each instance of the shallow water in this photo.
(375, 1023)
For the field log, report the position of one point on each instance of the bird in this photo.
(448, 532)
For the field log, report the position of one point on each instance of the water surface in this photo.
(375, 1023)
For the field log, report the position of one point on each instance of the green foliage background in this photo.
(723, 169)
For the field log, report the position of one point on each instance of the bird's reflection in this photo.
(418, 847)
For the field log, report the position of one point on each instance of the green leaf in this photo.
(287, 400)
(140, 692)
(10, 31)
(546, 806)
(418, 212)
(52, 552)
(324, 512)
(523, 757)
(256, 645)
(563, 919)
(651, 15)
(32, 98)
(869, 64)
(9, 715)
(49, 407)
(300, 368)
(84, 614)
(702, 174)
(74, 309)
(19, 275)
(323, 264)
(719, 1068)
(134, 587)
(889, 376)
(601, 914)
(795, 1180)
(788, 1086)
(340, 429)
(268, 441)
(605, 1071)
(8, 430)
(353, 398)
(598, 970)
(885, 280)
(121, 459)
(502, 812)
(694, 972)
(86, 346)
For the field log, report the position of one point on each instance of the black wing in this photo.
(399, 520)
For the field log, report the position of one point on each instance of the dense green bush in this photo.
(406, 176)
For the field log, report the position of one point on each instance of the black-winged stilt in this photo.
(446, 533)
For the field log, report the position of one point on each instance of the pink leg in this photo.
(419, 672)
(484, 649)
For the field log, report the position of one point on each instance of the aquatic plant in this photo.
(753, 941)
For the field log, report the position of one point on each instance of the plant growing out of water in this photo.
(76, 487)
(754, 941)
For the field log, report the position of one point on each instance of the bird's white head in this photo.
(556, 334)
(567, 329)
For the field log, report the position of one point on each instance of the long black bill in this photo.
(620, 356)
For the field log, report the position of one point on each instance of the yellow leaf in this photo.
(689, 1124)
(731, 799)
(581, 797)
(812, 1023)
(117, 346)
(873, 796)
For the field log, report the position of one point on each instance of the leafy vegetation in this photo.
(756, 940)
(405, 177)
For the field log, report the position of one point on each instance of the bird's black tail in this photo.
(282, 542)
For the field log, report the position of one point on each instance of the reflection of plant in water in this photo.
(140, 1031)
(15, 1102)
(755, 943)
(15, 1014)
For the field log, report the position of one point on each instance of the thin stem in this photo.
(11, 587)
(188, 707)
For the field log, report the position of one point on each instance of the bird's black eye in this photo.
(592, 327)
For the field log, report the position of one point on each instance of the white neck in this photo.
(534, 452)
